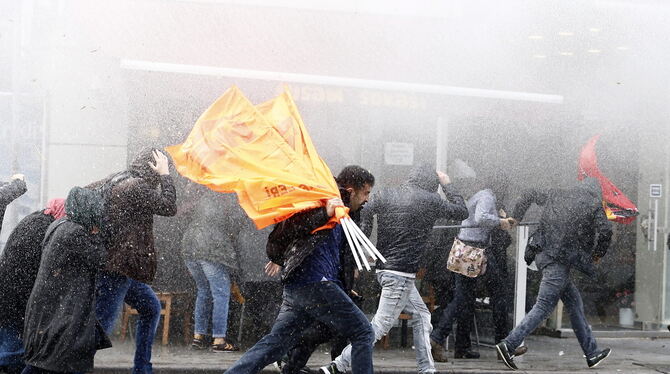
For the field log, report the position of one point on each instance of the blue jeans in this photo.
(399, 294)
(11, 349)
(213, 284)
(301, 306)
(556, 284)
(112, 291)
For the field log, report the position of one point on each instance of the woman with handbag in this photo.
(474, 252)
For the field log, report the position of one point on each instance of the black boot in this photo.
(469, 354)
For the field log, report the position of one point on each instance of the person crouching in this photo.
(61, 332)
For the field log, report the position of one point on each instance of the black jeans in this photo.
(325, 302)
(462, 306)
(318, 333)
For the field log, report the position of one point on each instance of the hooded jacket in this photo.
(573, 225)
(8, 193)
(61, 331)
(131, 200)
(406, 215)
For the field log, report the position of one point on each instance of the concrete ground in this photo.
(546, 355)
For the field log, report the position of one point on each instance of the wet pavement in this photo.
(546, 355)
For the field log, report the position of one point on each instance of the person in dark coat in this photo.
(319, 333)
(132, 198)
(208, 248)
(405, 216)
(61, 332)
(10, 192)
(310, 265)
(19, 263)
(575, 233)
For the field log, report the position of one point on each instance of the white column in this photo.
(520, 278)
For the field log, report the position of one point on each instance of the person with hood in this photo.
(313, 291)
(19, 263)
(132, 198)
(61, 332)
(405, 216)
(319, 333)
(574, 233)
(208, 248)
(10, 192)
(480, 231)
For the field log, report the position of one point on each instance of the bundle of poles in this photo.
(360, 244)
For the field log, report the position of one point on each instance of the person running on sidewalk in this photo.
(574, 232)
(479, 230)
(405, 215)
(312, 288)
(349, 181)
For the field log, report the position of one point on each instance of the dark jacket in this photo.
(573, 225)
(131, 200)
(19, 263)
(61, 331)
(8, 193)
(406, 215)
(210, 234)
(291, 241)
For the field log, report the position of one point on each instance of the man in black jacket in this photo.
(405, 215)
(313, 290)
(351, 179)
(574, 232)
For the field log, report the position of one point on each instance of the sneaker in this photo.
(305, 370)
(438, 351)
(468, 354)
(520, 350)
(598, 357)
(506, 357)
(226, 346)
(330, 369)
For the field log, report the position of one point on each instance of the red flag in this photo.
(618, 206)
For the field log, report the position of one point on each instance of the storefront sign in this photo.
(399, 153)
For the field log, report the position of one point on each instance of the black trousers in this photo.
(316, 334)
(462, 306)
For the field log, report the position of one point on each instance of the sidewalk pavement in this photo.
(545, 355)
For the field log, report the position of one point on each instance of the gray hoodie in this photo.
(483, 214)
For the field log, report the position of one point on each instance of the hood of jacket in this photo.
(140, 167)
(84, 207)
(425, 177)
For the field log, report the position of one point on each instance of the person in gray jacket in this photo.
(208, 248)
(484, 218)
(405, 215)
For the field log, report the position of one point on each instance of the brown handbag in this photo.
(466, 260)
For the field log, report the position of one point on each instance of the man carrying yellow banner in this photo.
(313, 286)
